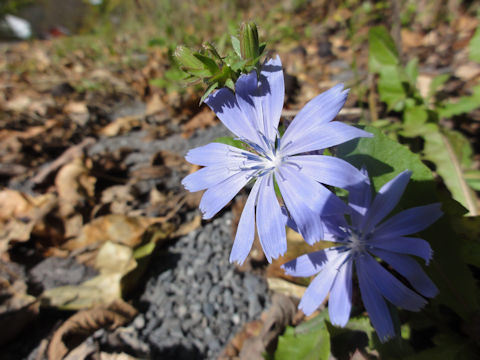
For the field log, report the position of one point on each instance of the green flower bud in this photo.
(187, 59)
(249, 44)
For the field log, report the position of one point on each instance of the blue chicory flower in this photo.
(253, 113)
(365, 236)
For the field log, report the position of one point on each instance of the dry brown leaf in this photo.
(202, 120)
(113, 261)
(188, 227)
(278, 316)
(296, 247)
(70, 154)
(17, 308)
(467, 71)
(121, 125)
(286, 287)
(84, 323)
(119, 198)
(22, 214)
(116, 228)
(411, 39)
(233, 348)
(75, 186)
(76, 107)
(155, 105)
(116, 356)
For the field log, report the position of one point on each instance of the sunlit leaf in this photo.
(308, 341)
(382, 50)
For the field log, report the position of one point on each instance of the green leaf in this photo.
(415, 121)
(209, 90)
(473, 179)
(208, 62)
(451, 153)
(230, 84)
(228, 140)
(474, 46)
(384, 159)
(236, 45)
(186, 58)
(436, 83)
(391, 88)
(382, 51)
(411, 71)
(308, 341)
(464, 105)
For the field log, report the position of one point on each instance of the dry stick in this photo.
(66, 157)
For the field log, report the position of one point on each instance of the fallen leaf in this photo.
(70, 154)
(411, 39)
(202, 120)
(113, 261)
(76, 107)
(84, 323)
(120, 268)
(278, 316)
(17, 308)
(188, 227)
(467, 71)
(121, 125)
(155, 105)
(116, 356)
(75, 186)
(116, 228)
(22, 214)
(286, 287)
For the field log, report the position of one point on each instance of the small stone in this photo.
(208, 310)
(139, 322)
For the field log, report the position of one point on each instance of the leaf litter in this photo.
(91, 162)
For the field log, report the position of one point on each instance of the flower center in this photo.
(273, 162)
(357, 244)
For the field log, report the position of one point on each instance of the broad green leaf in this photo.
(464, 105)
(186, 58)
(384, 159)
(474, 46)
(391, 88)
(308, 341)
(236, 45)
(436, 83)
(382, 50)
(208, 62)
(451, 153)
(414, 121)
(411, 70)
(473, 179)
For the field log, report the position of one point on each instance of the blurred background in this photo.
(103, 254)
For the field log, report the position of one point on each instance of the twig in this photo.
(66, 157)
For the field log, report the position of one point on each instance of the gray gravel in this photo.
(196, 300)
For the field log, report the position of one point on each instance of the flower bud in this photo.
(249, 44)
(186, 59)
